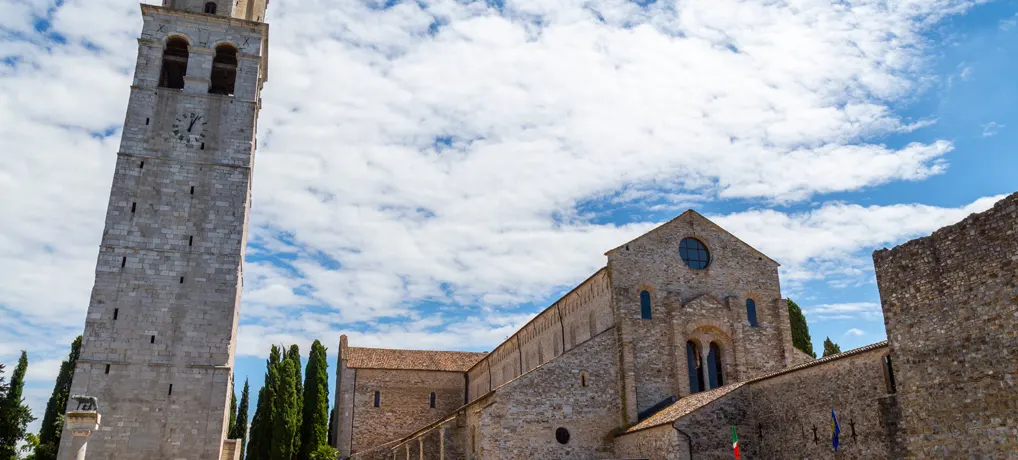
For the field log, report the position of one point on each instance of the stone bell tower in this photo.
(161, 328)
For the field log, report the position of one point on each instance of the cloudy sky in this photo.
(431, 174)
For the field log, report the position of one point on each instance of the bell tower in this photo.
(161, 329)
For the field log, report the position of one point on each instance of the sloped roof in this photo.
(426, 360)
(685, 406)
(693, 402)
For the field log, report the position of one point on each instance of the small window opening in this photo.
(192, 190)
(174, 64)
(645, 312)
(210, 8)
(432, 401)
(123, 262)
(146, 122)
(892, 387)
(751, 312)
(116, 313)
(141, 165)
(152, 339)
(562, 435)
(851, 423)
(181, 280)
(107, 369)
(583, 379)
(134, 206)
(190, 240)
(224, 70)
(815, 439)
(378, 399)
(170, 393)
(202, 146)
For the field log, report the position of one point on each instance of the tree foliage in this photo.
(315, 423)
(14, 413)
(800, 330)
(293, 354)
(284, 420)
(260, 445)
(233, 408)
(53, 418)
(239, 430)
(831, 348)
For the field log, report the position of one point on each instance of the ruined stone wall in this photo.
(950, 304)
(658, 443)
(161, 326)
(404, 403)
(788, 407)
(653, 351)
(520, 419)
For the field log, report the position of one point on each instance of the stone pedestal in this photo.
(81, 425)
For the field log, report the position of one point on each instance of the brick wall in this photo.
(950, 304)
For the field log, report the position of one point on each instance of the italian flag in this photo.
(735, 442)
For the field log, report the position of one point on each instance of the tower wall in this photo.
(950, 304)
(161, 327)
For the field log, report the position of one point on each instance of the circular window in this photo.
(562, 435)
(694, 253)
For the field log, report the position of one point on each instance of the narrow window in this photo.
(190, 240)
(192, 190)
(116, 313)
(202, 146)
(892, 387)
(174, 64)
(694, 367)
(181, 280)
(583, 379)
(123, 262)
(224, 70)
(210, 8)
(152, 339)
(134, 206)
(645, 305)
(378, 399)
(146, 122)
(141, 165)
(432, 402)
(107, 369)
(170, 393)
(714, 366)
(751, 312)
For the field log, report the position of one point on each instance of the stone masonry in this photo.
(950, 304)
(161, 326)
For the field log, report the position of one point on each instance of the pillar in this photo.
(441, 443)
(420, 447)
(81, 425)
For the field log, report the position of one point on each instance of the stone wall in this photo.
(653, 351)
(950, 304)
(161, 326)
(658, 443)
(405, 403)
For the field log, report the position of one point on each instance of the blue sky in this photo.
(433, 174)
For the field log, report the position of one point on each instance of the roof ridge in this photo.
(416, 349)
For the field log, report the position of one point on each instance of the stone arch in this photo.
(705, 332)
(176, 53)
(224, 69)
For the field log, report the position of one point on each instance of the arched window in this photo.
(645, 305)
(210, 8)
(224, 70)
(432, 400)
(695, 370)
(751, 312)
(378, 399)
(174, 64)
(714, 366)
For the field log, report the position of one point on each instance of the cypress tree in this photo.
(254, 444)
(14, 413)
(293, 354)
(831, 348)
(332, 415)
(284, 417)
(53, 419)
(233, 408)
(800, 330)
(315, 423)
(240, 426)
(265, 414)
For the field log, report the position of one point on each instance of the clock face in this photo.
(189, 127)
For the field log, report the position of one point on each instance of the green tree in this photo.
(332, 415)
(284, 417)
(261, 442)
(233, 407)
(830, 348)
(293, 354)
(324, 453)
(800, 330)
(14, 413)
(239, 430)
(315, 424)
(53, 419)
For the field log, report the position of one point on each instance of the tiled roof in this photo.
(684, 406)
(693, 402)
(385, 358)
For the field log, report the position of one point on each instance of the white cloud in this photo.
(991, 129)
(855, 332)
(869, 311)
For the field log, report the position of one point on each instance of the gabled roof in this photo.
(693, 402)
(425, 360)
(692, 213)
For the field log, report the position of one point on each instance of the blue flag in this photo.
(835, 431)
